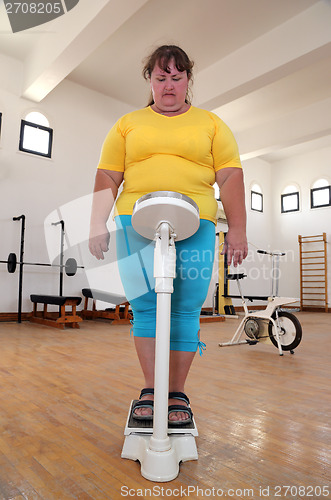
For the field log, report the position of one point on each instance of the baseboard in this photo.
(315, 309)
(7, 317)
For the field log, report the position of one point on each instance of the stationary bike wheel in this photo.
(290, 331)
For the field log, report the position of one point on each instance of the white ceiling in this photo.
(263, 66)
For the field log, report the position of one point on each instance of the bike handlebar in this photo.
(271, 253)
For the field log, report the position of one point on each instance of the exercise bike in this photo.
(282, 327)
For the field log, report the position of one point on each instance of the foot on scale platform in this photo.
(159, 466)
(146, 426)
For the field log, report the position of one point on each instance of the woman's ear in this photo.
(151, 86)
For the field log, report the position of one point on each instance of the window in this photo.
(320, 194)
(256, 198)
(290, 201)
(36, 136)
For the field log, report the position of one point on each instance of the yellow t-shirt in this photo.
(162, 153)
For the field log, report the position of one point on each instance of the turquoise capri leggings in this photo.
(194, 266)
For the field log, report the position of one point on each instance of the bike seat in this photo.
(236, 276)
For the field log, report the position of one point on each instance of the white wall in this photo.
(259, 235)
(272, 230)
(259, 230)
(37, 186)
(302, 170)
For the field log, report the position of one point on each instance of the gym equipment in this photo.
(163, 216)
(222, 302)
(20, 280)
(282, 327)
(313, 272)
(61, 222)
(119, 315)
(70, 265)
(64, 318)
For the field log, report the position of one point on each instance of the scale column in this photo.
(164, 273)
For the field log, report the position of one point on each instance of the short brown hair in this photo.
(163, 55)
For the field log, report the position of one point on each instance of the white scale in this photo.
(166, 217)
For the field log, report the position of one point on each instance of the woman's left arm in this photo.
(232, 192)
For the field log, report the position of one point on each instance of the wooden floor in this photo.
(263, 420)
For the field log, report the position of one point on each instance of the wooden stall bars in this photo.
(313, 272)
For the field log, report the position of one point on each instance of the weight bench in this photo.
(64, 317)
(120, 314)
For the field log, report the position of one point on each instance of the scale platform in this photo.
(146, 426)
(159, 466)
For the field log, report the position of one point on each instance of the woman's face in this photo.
(169, 89)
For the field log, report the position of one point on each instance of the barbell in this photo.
(70, 265)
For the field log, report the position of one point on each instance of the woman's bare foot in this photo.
(176, 416)
(144, 412)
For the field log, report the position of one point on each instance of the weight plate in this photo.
(71, 267)
(11, 263)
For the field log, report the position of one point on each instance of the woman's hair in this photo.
(163, 55)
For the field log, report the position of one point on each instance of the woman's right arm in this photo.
(105, 191)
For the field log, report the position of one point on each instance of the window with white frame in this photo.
(290, 199)
(256, 198)
(320, 194)
(36, 136)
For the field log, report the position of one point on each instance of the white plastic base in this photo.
(160, 466)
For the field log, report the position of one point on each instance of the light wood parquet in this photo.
(263, 420)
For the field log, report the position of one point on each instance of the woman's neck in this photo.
(185, 107)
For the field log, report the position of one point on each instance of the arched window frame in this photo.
(28, 126)
(321, 189)
(256, 198)
(290, 196)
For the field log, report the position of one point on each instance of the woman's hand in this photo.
(99, 241)
(235, 246)
(232, 191)
(104, 194)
